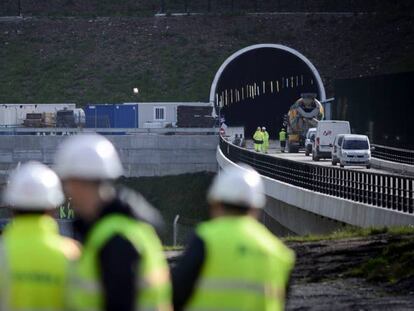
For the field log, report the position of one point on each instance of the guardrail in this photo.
(381, 190)
(393, 154)
(105, 131)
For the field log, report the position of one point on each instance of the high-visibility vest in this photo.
(246, 268)
(34, 261)
(265, 137)
(282, 136)
(258, 137)
(153, 284)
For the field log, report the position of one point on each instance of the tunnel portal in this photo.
(257, 85)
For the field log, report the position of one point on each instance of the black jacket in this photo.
(118, 259)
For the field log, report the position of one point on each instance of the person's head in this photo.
(237, 190)
(33, 188)
(88, 165)
(258, 128)
(283, 129)
(263, 129)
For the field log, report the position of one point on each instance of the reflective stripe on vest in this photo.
(153, 287)
(245, 267)
(241, 285)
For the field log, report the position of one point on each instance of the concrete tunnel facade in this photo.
(256, 86)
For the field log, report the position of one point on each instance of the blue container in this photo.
(126, 116)
(111, 116)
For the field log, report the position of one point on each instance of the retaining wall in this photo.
(141, 154)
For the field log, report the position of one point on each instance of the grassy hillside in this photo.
(175, 58)
(150, 7)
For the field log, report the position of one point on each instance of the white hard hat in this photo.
(263, 128)
(238, 185)
(33, 186)
(89, 157)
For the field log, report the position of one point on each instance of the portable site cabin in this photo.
(174, 114)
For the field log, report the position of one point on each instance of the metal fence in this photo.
(107, 131)
(393, 154)
(386, 191)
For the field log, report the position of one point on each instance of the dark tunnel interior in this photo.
(278, 76)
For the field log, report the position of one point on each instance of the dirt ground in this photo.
(321, 279)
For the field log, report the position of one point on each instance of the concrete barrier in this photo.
(400, 168)
(141, 154)
(321, 205)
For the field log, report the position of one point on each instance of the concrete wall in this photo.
(141, 154)
(400, 168)
(288, 199)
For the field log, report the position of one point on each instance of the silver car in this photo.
(336, 148)
(310, 138)
(355, 150)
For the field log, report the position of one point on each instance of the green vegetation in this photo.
(183, 195)
(352, 232)
(101, 59)
(394, 264)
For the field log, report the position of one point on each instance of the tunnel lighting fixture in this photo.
(264, 87)
(277, 85)
(136, 90)
(271, 86)
(301, 80)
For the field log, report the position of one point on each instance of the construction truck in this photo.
(304, 114)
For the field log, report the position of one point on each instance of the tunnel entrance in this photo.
(256, 86)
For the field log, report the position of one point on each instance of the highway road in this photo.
(274, 150)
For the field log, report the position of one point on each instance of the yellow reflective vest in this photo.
(34, 261)
(154, 288)
(265, 137)
(258, 137)
(246, 267)
(282, 136)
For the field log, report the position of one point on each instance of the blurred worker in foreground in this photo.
(265, 140)
(122, 266)
(258, 139)
(233, 261)
(282, 139)
(34, 258)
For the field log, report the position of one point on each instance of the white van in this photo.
(325, 135)
(355, 150)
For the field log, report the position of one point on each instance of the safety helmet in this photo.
(238, 185)
(259, 128)
(264, 128)
(33, 186)
(88, 157)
